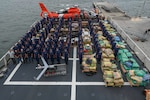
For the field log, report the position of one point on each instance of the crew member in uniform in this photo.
(53, 49)
(36, 56)
(45, 56)
(51, 55)
(30, 53)
(23, 55)
(80, 56)
(58, 55)
(98, 56)
(66, 55)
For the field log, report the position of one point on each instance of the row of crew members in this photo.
(95, 41)
(28, 42)
(110, 38)
(29, 54)
(80, 47)
(37, 48)
(80, 43)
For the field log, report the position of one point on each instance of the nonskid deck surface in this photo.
(73, 86)
(19, 83)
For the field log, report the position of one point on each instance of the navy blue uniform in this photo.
(19, 46)
(98, 49)
(23, 56)
(18, 56)
(80, 56)
(53, 49)
(36, 56)
(116, 49)
(58, 55)
(98, 56)
(51, 54)
(66, 55)
(30, 54)
(45, 56)
(38, 47)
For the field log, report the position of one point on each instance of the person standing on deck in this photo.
(98, 57)
(45, 56)
(34, 45)
(51, 55)
(23, 55)
(116, 49)
(98, 48)
(60, 48)
(30, 53)
(11, 54)
(80, 56)
(26, 56)
(36, 56)
(18, 56)
(53, 49)
(58, 55)
(19, 45)
(38, 47)
(66, 55)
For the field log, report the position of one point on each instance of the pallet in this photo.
(88, 70)
(118, 85)
(109, 85)
(115, 85)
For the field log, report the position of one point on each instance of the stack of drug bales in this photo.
(134, 74)
(87, 42)
(128, 63)
(108, 65)
(112, 76)
(89, 62)
(138, 77)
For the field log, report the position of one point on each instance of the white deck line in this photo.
(73, 87)
(73, 58)
(59, 83)
(13, 72)
(36, 83)
(97, 83)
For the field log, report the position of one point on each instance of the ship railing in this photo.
(4, 60)
(137, 50)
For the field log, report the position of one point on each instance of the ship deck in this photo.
(134, 27)
(19, 83)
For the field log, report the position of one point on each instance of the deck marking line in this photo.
(90, 83)
(13, 72)
(97, 83)
(58, 83)
(73, 58)
(37, 83)
(45, 68)
(73, 87)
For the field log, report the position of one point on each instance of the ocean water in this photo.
(16, 16)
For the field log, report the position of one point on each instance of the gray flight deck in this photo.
(18, 83)
(73, 86)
